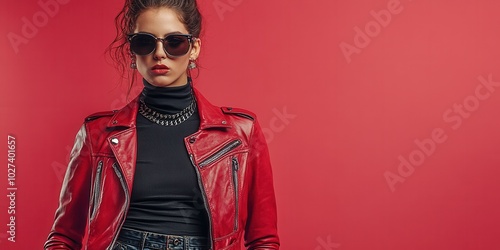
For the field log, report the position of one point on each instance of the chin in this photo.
(161, 81)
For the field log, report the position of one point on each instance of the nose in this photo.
(159, 52)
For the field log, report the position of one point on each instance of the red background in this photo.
(351, 118)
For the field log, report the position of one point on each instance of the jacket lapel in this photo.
(210, 116)
(123, 143)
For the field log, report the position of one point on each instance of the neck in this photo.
(167, 100)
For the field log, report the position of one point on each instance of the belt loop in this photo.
(186, 242)
(144, 235)
(167, 242)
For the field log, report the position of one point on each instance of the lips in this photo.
(160, 66)
(160, 69)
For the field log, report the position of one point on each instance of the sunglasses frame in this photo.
(189, 37)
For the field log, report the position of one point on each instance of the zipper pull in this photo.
(236, 165)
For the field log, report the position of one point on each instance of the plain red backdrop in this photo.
(346, 92)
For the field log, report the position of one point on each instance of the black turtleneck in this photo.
(166, 198)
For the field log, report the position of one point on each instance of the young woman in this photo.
(169, 170)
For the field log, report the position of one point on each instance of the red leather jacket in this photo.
(230, 156)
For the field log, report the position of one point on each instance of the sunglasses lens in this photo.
(176, 45)
(142, 44)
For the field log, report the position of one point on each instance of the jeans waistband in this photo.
(134, 239)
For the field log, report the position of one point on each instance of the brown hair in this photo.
(125, 22)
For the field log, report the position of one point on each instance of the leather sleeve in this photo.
(70, 221)
(261, 227)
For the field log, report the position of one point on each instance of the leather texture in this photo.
(229, 153)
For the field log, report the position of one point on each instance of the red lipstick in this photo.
(160, 69)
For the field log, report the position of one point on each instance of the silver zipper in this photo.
(205, 200)
(235, 169)
(232, 145)
(97, 190)
(124, 186)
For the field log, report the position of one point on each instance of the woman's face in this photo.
(161, 22)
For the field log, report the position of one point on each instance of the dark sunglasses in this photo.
(174, 45)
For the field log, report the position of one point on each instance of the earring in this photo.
(192, 64)
(133, 64)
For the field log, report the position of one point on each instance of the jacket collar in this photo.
(210, 116)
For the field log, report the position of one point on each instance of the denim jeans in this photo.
(130, 239)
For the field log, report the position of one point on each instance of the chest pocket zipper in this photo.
(96, 195)
(235, 168)
(232, 145)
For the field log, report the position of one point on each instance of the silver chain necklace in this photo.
(166, 119)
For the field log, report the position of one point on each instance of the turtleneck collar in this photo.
(167, 100)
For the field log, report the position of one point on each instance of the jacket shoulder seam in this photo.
(239, 112)
(98, 115)
(89, 139)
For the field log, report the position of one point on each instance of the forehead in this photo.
(159, 22)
